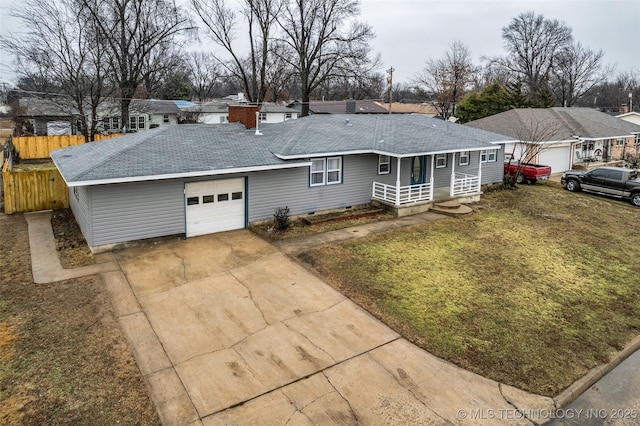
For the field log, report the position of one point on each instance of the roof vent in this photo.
(347, 122)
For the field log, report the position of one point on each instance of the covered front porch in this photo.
(425, 188)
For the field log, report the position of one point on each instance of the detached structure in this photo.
(563, 137)
(199, 179)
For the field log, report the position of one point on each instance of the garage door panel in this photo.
(215, 206)
(557, 158)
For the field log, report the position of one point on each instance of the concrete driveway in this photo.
(227, 329)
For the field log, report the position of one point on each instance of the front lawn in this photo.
(535, 288)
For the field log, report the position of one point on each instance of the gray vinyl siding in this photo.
(290, 187)
(134, 211)
(80, 202)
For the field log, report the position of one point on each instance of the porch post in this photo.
(398, 181)
(453, 174)
(480, 171)
(431, 181)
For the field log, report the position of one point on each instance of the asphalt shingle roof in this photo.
(201, 148)
(555, 124)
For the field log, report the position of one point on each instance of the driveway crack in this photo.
(255, 303)
(351, 409)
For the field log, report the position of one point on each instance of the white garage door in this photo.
(557, 158)
(214, 206)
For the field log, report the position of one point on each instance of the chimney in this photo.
(351, 106)
(245, 114)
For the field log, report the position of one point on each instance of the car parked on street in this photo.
(616, 182)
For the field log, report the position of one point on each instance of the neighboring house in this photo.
(563, 137)
(144, 114)
(48, 116)
(198, 179)
(409, 108)
(273, 113)
(217, 112)
(350, 106)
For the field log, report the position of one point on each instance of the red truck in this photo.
(529, 173)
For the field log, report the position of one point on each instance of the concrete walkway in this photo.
(45, 262)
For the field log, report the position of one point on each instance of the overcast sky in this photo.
(408, 32)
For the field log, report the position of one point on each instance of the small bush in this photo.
(281, 221)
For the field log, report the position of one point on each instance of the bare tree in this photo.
(221, 21)
(576, 70)
(533, 133)
(204, 72)
(140, 35)
(533, 44)
(448, 79)
(62, 49)
(326, 40)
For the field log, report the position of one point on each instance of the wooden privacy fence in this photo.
(33, 190)
(31, 147)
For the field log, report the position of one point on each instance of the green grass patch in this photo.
(534, 289)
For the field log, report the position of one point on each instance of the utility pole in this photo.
(390, 83)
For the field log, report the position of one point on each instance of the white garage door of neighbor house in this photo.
(214, 206)
(557, 158)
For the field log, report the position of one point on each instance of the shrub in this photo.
(281, 220)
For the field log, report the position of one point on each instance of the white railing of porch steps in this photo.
(465, 184)
(408, 194)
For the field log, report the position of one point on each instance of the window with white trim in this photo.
(133, 123)
(165, 118)
(488, 155)
(325, 171)
(384, 164)
(262, 116)
(334, 170)
(441, 161)
(464, 158)
(288, 116)
(317, 172)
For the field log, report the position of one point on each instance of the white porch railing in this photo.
(465, 184)
(407, 194)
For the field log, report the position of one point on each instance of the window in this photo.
(317, 172)
(263, 116)
(223, 197)
(334, 170)
(620, 141)
(464, 158)
(165, 119)
(288, 116)
(488, 155)
(206, 199)
(192, 201)
(441, 161)
(384, 164)
(133, 123)
(236, 195)
(141, 125)
(325, 171)
(111, 123)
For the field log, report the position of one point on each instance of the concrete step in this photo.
(451, 209)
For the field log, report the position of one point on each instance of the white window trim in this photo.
(339, 170)
(441, 157)
(488, 155)
(325, 171)
(262, 117)
(466, 155)
(381, 163)
(318, 172)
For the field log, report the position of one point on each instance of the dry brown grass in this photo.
(535, 288)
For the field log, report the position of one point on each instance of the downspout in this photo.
(397, 203)
(480, 171)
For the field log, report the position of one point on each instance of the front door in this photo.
(418, 170)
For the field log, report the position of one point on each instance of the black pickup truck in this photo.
(613, 181)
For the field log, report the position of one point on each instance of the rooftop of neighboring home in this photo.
(409, 108)
(556, 124)
(350, 106)
(199, 149)
(36, 106)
